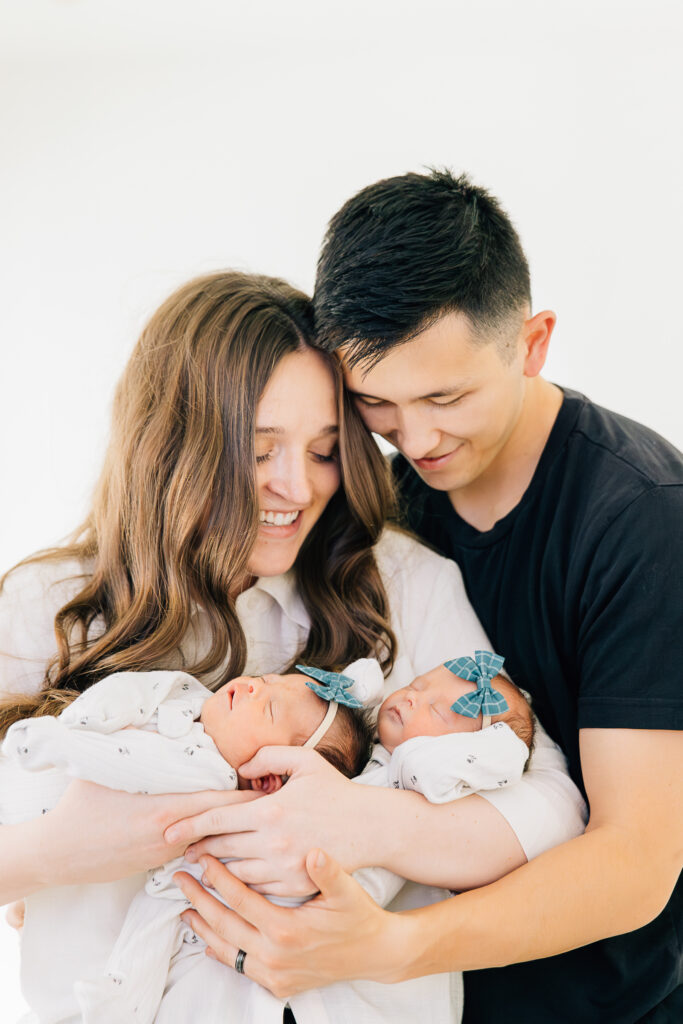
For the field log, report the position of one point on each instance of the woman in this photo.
(237, 526)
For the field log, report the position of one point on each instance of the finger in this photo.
(222, 949)
(217, 820)
(233, 846)
(186, 804)
(252, 872)
(327, 876)
(249, 905)
(279, 761)
(224, 924)
(14, 915)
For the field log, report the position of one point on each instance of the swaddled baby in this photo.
(150, 732)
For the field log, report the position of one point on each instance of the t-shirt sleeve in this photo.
(30, 598)
(630, 643)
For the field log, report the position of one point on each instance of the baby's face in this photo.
(251, 712)
(424, 709)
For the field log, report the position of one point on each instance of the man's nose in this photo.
(416, 437)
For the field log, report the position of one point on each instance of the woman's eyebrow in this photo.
(331, 429)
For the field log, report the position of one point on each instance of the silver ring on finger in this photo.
(239, 961)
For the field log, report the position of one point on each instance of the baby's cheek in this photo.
(390, 734)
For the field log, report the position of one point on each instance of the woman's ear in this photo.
(267, 783)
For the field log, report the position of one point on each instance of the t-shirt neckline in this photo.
(469, 536)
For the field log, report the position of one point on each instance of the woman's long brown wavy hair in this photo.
(175, 512)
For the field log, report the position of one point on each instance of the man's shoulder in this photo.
(621, 445)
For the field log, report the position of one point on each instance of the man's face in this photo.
(447, 403)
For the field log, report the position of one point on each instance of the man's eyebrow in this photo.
(331, 429)
(441, 393)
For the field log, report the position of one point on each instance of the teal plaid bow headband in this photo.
(481, 670)
(334, 686)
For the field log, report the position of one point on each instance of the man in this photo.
(565, 520)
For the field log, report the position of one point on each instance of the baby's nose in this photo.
(254, 686)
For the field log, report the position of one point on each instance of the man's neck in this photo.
(501, 486)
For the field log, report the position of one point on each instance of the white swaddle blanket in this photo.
(157, 970)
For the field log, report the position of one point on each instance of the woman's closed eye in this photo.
(322, 457)
(318, 456)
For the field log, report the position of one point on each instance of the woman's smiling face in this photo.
(297, 467)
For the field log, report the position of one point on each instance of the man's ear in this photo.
(267, 783)
(537, 331)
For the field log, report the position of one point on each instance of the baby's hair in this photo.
(520, 717)
(347, 744)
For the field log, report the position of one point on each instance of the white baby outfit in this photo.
(167, 750)
(431, 618)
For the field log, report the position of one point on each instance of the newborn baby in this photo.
(450, 733)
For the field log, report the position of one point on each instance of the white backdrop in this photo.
(146, 141)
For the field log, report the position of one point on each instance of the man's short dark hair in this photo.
(407, 250)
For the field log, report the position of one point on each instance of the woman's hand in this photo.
(272, 838)
(96, 834)
(340, 934)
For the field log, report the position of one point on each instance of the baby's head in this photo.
(424, 708)
(251, 712)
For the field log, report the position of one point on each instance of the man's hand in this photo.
(291, 950)
(271, 838)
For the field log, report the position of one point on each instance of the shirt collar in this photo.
(283, 590)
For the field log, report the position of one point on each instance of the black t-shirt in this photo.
(580, 588)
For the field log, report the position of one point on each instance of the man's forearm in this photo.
(600, 884)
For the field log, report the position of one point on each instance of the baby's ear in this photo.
(267, 783)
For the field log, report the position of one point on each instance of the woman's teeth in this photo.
(278, 518)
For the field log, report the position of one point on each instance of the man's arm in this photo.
(614, 879)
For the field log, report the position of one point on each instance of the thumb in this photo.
(328, 876)
(276, 761)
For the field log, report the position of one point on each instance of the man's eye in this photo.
(446, 405)
(371, 403)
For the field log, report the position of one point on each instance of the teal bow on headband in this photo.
(334, 686)
(480, 670)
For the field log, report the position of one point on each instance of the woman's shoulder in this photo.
(49, 582)
(31, 596)
(398, 550)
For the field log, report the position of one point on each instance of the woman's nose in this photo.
(291, 480)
